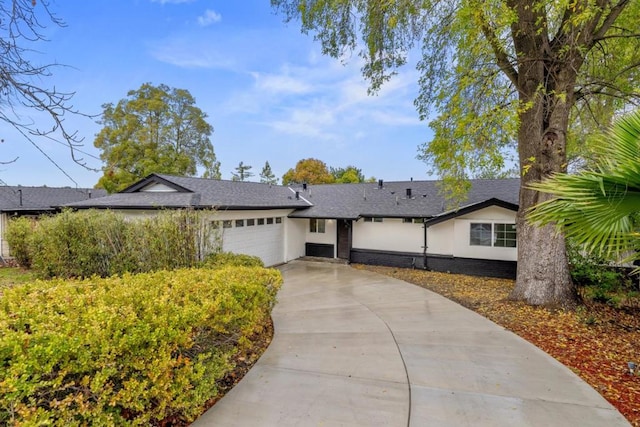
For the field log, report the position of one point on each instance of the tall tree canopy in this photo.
(155, 129)
(497, 74)
(267, 176)
(22, 79)
(310, 171)
(349, 174)
(242, 172)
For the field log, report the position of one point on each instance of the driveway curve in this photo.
(355, 348)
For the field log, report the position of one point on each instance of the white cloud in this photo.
(314, 121)
(281, 84)
(209, 17)
(184, 53)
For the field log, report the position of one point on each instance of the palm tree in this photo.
(598, 208)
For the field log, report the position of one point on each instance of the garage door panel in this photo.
(263, 241)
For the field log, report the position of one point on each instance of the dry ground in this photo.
(596, 341)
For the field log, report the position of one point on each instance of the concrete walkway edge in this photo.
(354, 348)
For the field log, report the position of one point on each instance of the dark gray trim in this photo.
(323, 250)
(154, 179)
(471, 208)
(441, 263)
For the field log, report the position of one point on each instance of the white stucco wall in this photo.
(462, 227)
(440, 238)
(4, 247)
(295, 232)
(330, 235)
(392, 234)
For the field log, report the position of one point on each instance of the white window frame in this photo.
(486, 234)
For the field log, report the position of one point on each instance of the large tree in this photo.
(23, 80)
(498, 74)
(155, 129)
(308, 171)
(598, 207)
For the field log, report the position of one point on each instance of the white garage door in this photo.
(260, 237)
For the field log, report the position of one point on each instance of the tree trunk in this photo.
(543, 270)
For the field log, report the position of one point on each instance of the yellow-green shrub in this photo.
(223, 259)
(105, 243)
(128, 350)
(19, 234)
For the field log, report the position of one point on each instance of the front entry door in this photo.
(344, 239)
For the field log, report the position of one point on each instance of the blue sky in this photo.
(266, 88)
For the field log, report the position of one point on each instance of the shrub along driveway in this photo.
(357, 348)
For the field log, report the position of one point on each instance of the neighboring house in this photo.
(18, 201)
(403, 224)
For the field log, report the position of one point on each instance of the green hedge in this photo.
(105, 243)
(223, 259)
(130, 350)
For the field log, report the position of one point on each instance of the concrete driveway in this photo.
(354, 348)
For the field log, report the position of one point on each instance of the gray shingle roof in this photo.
(199, 193)
(350, 201)
(341, 201)
(19, 198)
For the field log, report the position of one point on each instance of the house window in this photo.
(505, 235)
(239, 222)
(368, 219)
(480, 234)
(260, 221)
(377, 219)
(407, 220)
(227, 223)
(418, 220)
(279, 220)
(269, 221)
(316, 225)
(496, 235)
(251, 222)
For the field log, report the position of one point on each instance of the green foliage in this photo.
(347, 175)
(267, 176)
(18, 235)
(598, 208)
(227, 259)
(310, 171)
(130, 350)
(11, 276)
(241, 172)
(472, 66)
(156, 129)
(597, 278)
(104, 243)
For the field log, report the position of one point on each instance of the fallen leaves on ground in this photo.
(595, 341)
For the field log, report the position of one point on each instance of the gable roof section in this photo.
(42, 199)
(198, 193)
(469, 209)
(352, 201)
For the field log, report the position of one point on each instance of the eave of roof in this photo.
(469, 209)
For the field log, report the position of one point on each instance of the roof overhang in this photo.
(154, 179)
(445, 216)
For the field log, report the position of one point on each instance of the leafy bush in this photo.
(105, 243)
(130, 350)
(600, 280)
(19, 234)
(222, 259)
